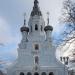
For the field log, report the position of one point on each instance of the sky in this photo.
(11, 19)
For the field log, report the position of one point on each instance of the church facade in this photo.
(36, 53)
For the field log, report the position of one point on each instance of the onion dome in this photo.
(50, 28)
(36, 10)
(24, 29)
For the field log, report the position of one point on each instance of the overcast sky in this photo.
(11, 19)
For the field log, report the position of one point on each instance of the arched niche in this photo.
(51, 73)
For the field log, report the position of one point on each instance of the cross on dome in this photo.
(24, 18)
(36, 3)
(48, 18)
(36, 9)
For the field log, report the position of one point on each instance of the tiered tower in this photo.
(36, 53)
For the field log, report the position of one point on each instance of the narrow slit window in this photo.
(36, 60)
(36, 27)
(36, 47)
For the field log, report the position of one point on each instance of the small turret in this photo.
(24, 30)
(48, 29)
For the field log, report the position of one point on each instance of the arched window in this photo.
(36, 59)
(29, 73)
(51, 73)
(21, 73)
(36, 27)
(36, 47)
(43, 73)
(36, 73)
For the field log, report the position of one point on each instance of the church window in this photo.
(21, 73)
(29, 73)
(51, 73)
(36, 60)
(36, 27)
(36, 47)
(43, 73)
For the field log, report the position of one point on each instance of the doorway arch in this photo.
(36, 73)
(51, 73)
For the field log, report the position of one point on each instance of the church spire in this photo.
(36, 3)
(24, 27)
(24, 18)
(47, 18)
(48, 27)
(36, 10)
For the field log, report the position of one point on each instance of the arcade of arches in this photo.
(36, 73)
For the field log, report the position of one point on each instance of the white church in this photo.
(36, 53)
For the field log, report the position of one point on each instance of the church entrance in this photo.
(36, 73)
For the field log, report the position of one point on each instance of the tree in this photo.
(68, 18)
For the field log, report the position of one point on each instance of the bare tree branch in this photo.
(68, 18)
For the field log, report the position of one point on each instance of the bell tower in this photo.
(36, 21)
